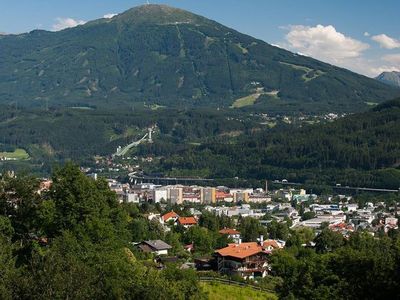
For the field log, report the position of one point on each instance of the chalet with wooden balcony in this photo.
(248, 260)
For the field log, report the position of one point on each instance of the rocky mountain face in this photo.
(391, 78)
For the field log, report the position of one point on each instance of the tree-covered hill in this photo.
(168, 56)
(361, 150)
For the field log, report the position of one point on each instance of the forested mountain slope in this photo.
(361, 149)
(158, 54)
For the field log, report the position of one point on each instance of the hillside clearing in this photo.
(310, 74)
(18, 154)
(218, 291)
(246, 101)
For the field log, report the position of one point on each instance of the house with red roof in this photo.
(231, 233)
(187, 222)
(248, 260)
(270, 245)
(169, 216)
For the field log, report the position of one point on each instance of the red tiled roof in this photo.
(229, 231)
(169, 215)
(271, 243)
(187, 221)
(241, 251)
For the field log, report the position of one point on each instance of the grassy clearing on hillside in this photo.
(310, 74)
(246, 101)
(82, 108)
(18, 154)
(218, 291)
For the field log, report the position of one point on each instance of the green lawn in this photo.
(218, 291)
(18, 154)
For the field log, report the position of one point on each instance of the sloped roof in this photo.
(229, 231)
(170, 215)
(241, 251)
(271, 243)
(187, 221)
(157, 245)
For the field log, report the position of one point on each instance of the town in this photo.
(233, 231)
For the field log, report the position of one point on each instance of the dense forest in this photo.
(73, 242)
(358, 150)
(60, 134)
(361, 267)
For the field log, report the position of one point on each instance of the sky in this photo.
(360, 35)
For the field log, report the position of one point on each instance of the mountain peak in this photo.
(391, 78)
(160, 14)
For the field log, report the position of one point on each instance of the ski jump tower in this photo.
(150, 135)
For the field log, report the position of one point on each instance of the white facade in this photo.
(131, 198)
(160, 194)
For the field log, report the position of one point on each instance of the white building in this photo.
(159, 195)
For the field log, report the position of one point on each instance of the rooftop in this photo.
(170, 215)
(157, 245)
(187, 221)
(241, 251)
(229, 231)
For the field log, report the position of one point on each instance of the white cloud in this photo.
(386, 42)
(109, 16)
(327, 44)
(379, 70)
(366, 33)
(324, 43)
(393, 59)
(63, 23)
(374, 66)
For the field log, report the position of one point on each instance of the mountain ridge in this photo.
(168, 56)
(391, 78)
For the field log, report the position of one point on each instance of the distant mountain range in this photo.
(392, 78)
(171, 57)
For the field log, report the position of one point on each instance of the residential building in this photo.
(191, 194)
(241, 197)
(187, 222)
(169, 216)
(175, 194)
(248, 260)
(156, 247)
(231, 233)
(131, 198)
(259, 198)
(329, 219)
(160, 194)
(208, 195)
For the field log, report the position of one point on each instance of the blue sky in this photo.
(363, 36)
